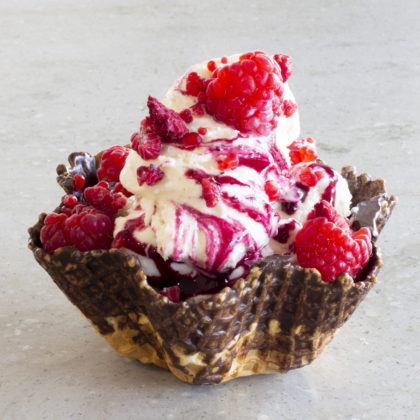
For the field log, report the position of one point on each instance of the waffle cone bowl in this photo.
(279, 318)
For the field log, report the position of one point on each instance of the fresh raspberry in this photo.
(303, 150)
(195, 84)
(211, 192)
(229, 161)
(89, 229)
(186, 115)
(118, 188)
(247, 94)
(70, 200)
(112, 162)
(289, 108)
(308, 175)
(173, 293)
(79, 182)
(332, 250)
(285, 63)
(165, 122)
(146, 142)
(211, 65)
(149, 174)
(191, 140)
(272, 191)
(102, 199)
(197, 110)
(325, 209)
(52, 233)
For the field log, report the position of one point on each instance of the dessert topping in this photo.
(165, 122)
(112, 162)
(211, 192)
(149, 174)
(328, 244)
(303, 150)
(146, 142)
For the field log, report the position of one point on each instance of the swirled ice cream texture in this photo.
(178, 223)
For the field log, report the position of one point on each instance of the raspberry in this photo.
(70, 200)
(229, 161)
(289, 108)
(308, 175)
(211, 65)
(285, 63)
(149, 174)
(202, 131)
(186, 115)
(211, 192)
(173, 293)
(89, 229)
(112, 162)
(332, 250)
(165, 122)
(247, 94)
(325, 209)
(191, 140)
(145, 142)
(52, 233)
(271, 190)
(83, 227)
(303, 150)
(102, 199)
(79, 182)
(195, 84)
(118, 188)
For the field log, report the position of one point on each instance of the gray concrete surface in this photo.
(75, 75)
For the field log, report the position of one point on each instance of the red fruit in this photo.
(247, 94)
(310, 176)
(195, 84)
(332, 250)
(89, 229)
(52, 233)
(186, 115)
(211, 65)
(272, 191)
(211, 192)
(79, 182)
(112, 162)
(285, 63)
(118, 188)
(173, 293)
(191, 140)
(165, 122)
(149, 174)
(289, 108)
(102, 199)
(325, 209)
(202, 131)
(229, 161)
(70, 200)
(303, 150)
(146, 142)
(224, 60)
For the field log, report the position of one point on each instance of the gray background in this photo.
(75, 76)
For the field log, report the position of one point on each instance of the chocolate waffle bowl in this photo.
(279, 318)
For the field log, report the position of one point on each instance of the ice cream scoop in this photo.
(207, 206)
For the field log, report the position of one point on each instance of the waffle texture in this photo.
(280, 317)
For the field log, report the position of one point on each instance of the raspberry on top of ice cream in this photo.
(215, 179)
